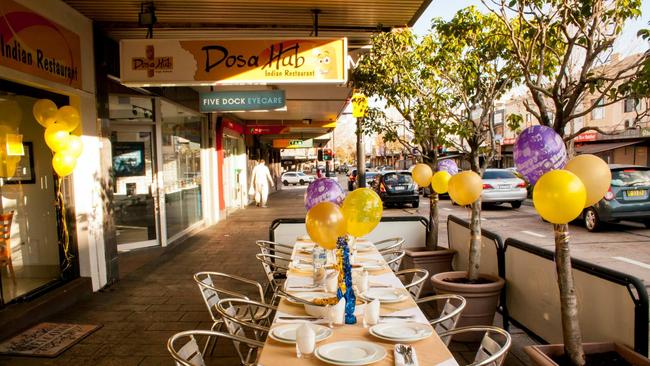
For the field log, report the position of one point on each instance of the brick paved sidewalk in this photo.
(159, 298)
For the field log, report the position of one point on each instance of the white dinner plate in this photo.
(308, 296)
(301, 267)
(287, 333)
(402, 332)
(372, 264)
(364, 246)
(384, 295)
(350, 353)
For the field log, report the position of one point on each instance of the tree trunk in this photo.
(432, 236)
(475, 242)
(568, 299)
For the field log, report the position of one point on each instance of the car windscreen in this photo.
(397, 178)
(630, 177)
(498, 174)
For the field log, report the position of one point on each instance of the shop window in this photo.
(32, 260)
(631, 104)
(599, 111)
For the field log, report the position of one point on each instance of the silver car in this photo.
(502, 185)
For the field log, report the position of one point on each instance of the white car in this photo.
(501, 185)
(296, 178)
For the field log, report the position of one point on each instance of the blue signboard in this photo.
(241, 100)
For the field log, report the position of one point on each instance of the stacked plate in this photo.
(384, 295)
(350, 353)
(287, 333)
(402, 332)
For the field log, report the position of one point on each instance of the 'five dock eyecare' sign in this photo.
(247, 100)
(169, 62)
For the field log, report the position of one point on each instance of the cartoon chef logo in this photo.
(325, 62)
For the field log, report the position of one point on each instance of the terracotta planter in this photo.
(434, 261)
(482, 299)
(541, 355)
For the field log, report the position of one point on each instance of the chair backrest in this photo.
(273, 265)
(189, 353)
(212, 293)
(5, 235)
(394, 258)
(247, 318)
(273, 248)
(389, 244)
(416, 278)
(492, 350)
(450, 307)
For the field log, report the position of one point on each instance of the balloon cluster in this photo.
(562, 189)
(323, 190)
(358, 215)
(59, 123)
(464, 188)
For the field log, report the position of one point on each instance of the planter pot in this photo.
(482, 299)
(541, 355)
(434, 261)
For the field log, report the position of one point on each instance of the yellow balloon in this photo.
(68, 117)
(325, 224)
(10, 113)
(12, 165)
(422, 174)
(559, 196)
(440, 181)
(44, 111)
(63, 163)
(465, 187)
(57, 137)
(75, 146)
(594, 174)
(362, 209)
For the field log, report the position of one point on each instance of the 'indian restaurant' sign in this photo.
(146, 62)
(33, 44)
(241, 100)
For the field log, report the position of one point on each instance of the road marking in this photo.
(632, 261)
(532, 233)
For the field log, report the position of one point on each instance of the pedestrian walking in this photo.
(260, 182)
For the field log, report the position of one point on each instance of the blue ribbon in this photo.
(350, 298)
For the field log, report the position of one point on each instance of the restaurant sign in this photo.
(148, 62)
(293, 144)
(35, 45)
(241, 100)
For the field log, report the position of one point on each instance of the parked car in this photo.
(628, 198)
(397, 187)
(501, 186)
(296, 178)
(352, 179)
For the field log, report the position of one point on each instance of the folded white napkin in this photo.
(339, 312)
(305, 339)
(399, 359)
(371, 312)
(332, 281)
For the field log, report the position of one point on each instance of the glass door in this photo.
(134, 197)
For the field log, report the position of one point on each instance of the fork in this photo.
(409, 353)
(401, 349)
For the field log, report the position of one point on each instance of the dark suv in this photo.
(628, 198)
(397, 187)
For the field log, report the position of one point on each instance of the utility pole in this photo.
(361, 156)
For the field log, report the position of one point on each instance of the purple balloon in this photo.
(323, 190)
(448, 166)
(538, 150)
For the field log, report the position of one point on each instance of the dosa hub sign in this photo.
(35, 45)
(147, 62)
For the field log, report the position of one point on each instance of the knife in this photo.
(297, 317)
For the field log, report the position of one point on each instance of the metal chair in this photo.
(275, 268)
(452, 308)
(416, 276)
(389, 244)
(491, 352)
(212, 293)
(273, 248)
(190, 355)
(394, 259)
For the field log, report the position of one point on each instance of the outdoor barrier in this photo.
(412, 228)
(458, 236)
(613, 306)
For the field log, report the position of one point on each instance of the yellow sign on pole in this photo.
(359, 105)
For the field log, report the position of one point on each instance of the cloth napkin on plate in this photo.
(371, 312)
(339, 312)
(399, 358)
(305, 339)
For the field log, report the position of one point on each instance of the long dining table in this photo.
(430, 351)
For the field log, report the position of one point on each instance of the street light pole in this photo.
(361, 156)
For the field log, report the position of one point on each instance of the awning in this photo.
(593, 148)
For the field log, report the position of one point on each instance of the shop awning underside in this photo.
(594, 148)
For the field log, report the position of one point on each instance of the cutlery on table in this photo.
(410, 352)
(298, 317)
(396, 317)
(402, 350)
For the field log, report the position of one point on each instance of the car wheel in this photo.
(285, 182)
(302, 182)
(591, 220)
(416, 204)
(515, 204)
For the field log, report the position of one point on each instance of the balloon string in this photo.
(64, 227)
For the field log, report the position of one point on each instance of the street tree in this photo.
(399, 71)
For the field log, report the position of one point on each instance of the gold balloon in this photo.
(594, 174)
(440, 181)
(422, 174)
(362, 209)
(12, 165)
(44, 111)
(75, 146)
(68, 117)
(57, 137)
(559, 196)
(63, 163)
(325, 224)
(465, 187)
(10, 113)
